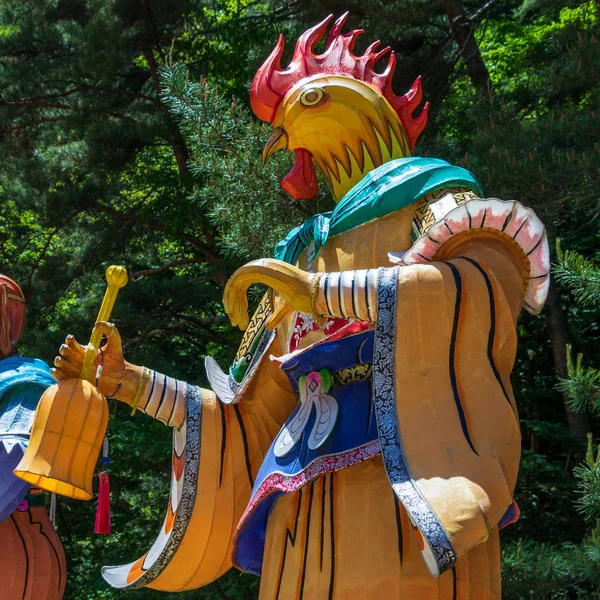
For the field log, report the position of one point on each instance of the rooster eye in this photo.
(311, 97)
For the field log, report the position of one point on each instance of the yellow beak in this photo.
(277, 141)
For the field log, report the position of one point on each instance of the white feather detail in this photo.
(219, 381)
(327, 411)
(311, 392)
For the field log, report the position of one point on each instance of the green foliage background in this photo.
(127, 138)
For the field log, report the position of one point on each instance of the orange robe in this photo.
(451, 324)
(346, 535)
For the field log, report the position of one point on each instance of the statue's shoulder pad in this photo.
(505, 219)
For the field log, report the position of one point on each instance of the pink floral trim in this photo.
(324, 464)
(305, 324)
(345, 329)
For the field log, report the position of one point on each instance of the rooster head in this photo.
(334, 110)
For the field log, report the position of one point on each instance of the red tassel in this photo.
(102, 525)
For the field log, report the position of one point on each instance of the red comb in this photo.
(271, 82)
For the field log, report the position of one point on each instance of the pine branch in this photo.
(39, 100)
(581, 275)
(169, 265)
(588, 474)
(536, 570)
(241, 196)
(46, 246)
(582, 386)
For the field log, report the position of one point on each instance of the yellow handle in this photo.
(116, 278)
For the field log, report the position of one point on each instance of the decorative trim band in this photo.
(438, 551)
(163, 399)
(185, 507)
(280, 482)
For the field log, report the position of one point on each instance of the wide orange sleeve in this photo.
(454, 351)
(216, 455)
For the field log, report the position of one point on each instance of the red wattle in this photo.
(301, 182)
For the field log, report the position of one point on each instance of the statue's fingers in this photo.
(60, 374)
(71, 351)
(105, 328)
(61, 363)
(114, 344)
(73, 344)
(63, 369)
(64, 363)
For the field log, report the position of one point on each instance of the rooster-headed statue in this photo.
(365, 443)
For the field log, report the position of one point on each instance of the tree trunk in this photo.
(463, 30)
(556, 323)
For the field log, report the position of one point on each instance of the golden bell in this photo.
(66, 439)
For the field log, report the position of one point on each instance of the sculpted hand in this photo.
(119, 379)
(293, 284)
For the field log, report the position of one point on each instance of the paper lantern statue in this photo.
(71, 419)
(32, 559)
(365, 443)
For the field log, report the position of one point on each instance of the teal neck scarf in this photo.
(384, 190)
